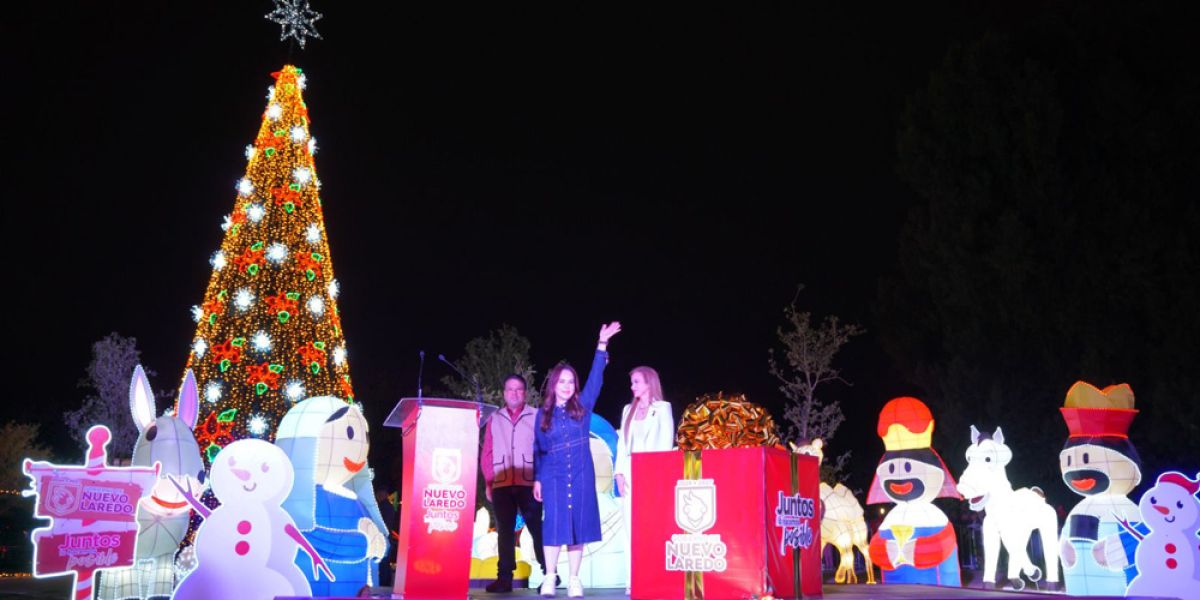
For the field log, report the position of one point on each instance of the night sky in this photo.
(680, 169)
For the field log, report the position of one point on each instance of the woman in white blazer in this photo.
(646, 425)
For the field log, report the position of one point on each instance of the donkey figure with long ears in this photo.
(1011, 515)
(163, 515)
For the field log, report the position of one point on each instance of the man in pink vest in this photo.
(507, 466)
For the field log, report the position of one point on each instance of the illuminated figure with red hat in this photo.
(1168, 555)
(916, 542)
(1100, 464)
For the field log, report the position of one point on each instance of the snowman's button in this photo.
(1172, 563)
(244, 527)
(242, 548)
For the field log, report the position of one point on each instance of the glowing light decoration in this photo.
(243, 299)
(250, 150)
(1100, 464)
(212, 391)
(270, 93)
(258, 292)
(294, 390)
(250, 499)
(110, 535)
(843, 523)
(312, 145)
(167, 442)
(199, 347)
(226, 223)
(302, 81)
(298, 134)
(1012, 515)
(334, 289)
(277, 253)
(218, 260)
(327, 442)
(244, 187)
(316, 306)
(257, 425)
(255, 213)
(916, 541)
(295, 20)
(339, 356)
(197, 313)
(1168, 553)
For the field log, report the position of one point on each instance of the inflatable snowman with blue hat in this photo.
(1099, 463)
(332, 500)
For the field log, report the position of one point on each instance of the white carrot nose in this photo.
(242, 474)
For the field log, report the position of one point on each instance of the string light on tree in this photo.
(257, 425)
(262, 341)
(312, 145)
(255, 213)
(244, 187)
(199, 347)
(249, 152)
(294, 390)
(277, 253)
(243, 299)
(212, 391)
(269, 316)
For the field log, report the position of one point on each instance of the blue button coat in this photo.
(563, 465)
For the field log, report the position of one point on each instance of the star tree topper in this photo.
(295, 20)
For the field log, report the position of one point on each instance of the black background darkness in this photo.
(678, 168)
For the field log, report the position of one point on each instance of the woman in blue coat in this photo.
(565, 480)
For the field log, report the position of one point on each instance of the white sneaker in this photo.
(575, 588)
(548, 587)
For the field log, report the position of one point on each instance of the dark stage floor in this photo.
(58, 589)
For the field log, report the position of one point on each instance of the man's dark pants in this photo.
(507, 501)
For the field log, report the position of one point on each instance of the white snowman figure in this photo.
(1168, 557)
(250, 533)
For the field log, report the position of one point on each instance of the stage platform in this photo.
(59, 588)
(835, 592)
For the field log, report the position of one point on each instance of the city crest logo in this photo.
(62, 496)
(447, 465)
(695, 513)
(695, 505)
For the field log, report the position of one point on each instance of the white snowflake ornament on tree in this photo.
(295, 20)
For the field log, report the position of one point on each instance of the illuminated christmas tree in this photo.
(268, 332)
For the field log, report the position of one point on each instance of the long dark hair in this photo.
(574, 407)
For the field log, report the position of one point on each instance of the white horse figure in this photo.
(1011, 515)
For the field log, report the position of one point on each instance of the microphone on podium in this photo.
(471, 380)
(420, 372)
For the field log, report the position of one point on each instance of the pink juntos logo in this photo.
(695, 504)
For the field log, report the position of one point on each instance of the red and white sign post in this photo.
(93, 513)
